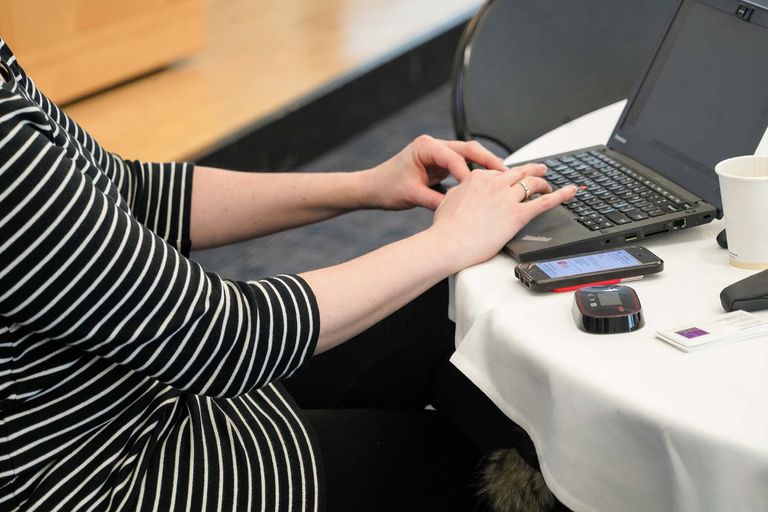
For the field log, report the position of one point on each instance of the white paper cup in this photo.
(744, 190)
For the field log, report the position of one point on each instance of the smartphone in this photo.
(599, 267)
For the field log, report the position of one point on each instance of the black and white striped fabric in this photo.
(129, 378)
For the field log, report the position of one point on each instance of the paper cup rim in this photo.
(735, 159)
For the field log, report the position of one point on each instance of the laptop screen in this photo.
(704, 98)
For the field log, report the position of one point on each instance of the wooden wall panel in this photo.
(76, 47)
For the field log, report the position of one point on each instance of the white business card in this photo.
(726, 328)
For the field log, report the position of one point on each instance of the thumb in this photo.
(428, 198)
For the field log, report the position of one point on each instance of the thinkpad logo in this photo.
(532, 238)
(620, 138)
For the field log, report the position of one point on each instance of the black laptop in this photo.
(703, 98)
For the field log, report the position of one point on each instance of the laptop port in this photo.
(679, 224)
(631, 237)
(654, 233)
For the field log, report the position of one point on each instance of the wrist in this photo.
(449, 250)
(369, 193)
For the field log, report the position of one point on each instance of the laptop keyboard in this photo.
(615, 194)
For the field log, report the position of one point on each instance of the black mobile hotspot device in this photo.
(607, 309)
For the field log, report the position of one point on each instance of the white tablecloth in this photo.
(624, 422)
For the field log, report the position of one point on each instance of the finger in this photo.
(475, 152)
(534, 185)
(521, 171)
(532, 169)
(428, 198)
(434, 152)
(547, 201)
(495, 179)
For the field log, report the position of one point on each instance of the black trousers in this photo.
(380, 448)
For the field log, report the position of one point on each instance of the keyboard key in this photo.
(655, 213)
(636, 214)
(670, 208)
(618, 218)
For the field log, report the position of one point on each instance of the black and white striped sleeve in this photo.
(79, 270)
(154, 191)
(158, 194)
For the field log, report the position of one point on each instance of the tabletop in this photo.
(623, 422)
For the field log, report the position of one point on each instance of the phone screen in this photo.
(567, 267)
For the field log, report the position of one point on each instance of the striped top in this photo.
(130, 379)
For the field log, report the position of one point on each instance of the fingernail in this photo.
(582, 187)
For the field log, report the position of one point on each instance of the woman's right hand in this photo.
(488, 208)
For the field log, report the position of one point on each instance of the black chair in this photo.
(525, 67)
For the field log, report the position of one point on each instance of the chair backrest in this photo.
(524, 67)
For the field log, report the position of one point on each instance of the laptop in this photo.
(702, 99)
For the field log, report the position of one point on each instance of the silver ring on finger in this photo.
(526, 189)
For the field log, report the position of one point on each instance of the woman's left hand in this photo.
(404, 180)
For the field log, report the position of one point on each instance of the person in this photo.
(133, 379)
